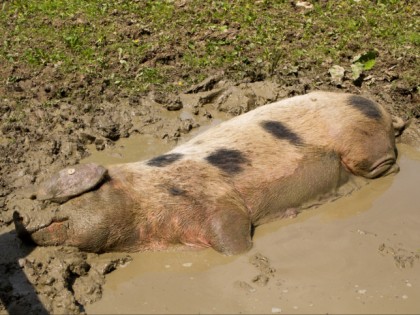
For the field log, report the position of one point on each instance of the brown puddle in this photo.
(144, 146)
(360, 254)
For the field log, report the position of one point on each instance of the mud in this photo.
(53, 116)
(359, 254)
(62, 280)
(311, 262)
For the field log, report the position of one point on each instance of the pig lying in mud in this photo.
(269, 163)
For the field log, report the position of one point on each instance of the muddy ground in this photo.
(64, 280)
(49, 120)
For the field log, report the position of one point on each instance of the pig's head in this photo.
(94, 217)
(369, 142)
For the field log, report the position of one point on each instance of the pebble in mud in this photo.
(187, 265)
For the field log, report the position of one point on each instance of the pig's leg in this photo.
(230, 231)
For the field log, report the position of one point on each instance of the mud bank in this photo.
(359, 254)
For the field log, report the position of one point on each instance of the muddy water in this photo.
(359, 254)
(144, 146)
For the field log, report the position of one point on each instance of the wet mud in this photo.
(359, 254)
(63, 280)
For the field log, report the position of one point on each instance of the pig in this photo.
(213, 190)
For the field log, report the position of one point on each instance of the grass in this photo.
(122, 39)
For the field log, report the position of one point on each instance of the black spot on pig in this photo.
(280, 131)
(228, 160)
(164, 160)
(365, 106)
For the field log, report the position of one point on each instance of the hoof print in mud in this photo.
(266, 272)
(212, 191)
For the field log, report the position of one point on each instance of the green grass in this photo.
(117, 38)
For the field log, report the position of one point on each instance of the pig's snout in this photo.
(46, 227)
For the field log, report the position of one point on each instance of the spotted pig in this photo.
(213, 190)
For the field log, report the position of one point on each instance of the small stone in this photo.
(304, 5)
(337, 74)
(187, 264)
(71, 171)
(275, 310)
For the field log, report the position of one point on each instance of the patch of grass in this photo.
(203, 36)
(149, 75)
(39, 56)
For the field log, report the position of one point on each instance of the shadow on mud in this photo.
(17, 294)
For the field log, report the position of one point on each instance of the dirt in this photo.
(364, 261)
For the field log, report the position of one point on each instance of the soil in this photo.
(49, 121)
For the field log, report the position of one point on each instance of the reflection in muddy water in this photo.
(359, 254)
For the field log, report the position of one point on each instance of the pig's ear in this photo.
(399, 125)
(71, 182)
